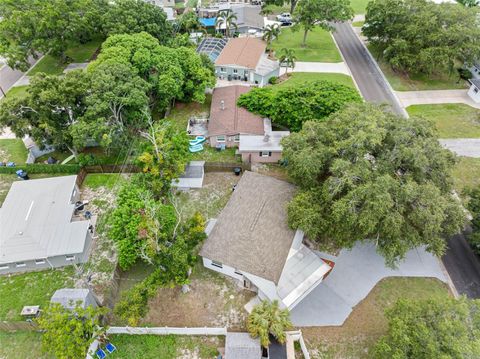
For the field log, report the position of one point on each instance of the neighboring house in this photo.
(475, 70)
(474, 90)
(242, 59)
(70, 297)
(234, 126)
(36, 228)
(192, 177)
(248, 16)
(162, 3)
(34, 151)
(252, 243)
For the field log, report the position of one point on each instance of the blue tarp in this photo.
(208, 22)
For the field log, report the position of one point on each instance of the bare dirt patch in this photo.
(213, 300)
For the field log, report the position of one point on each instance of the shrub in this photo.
(273, 80)
(42, 168)
(87, 159)
(464, 74)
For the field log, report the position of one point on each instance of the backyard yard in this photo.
(21, 345)
(34, 288)
(367, 322)
(466, 173)
(77, 53)
(451, 120)
(320, 45)
(13, 150)
(165, 347)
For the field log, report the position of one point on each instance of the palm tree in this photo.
(227, 18)
(288, 58)
(267, 318)
(271, 32)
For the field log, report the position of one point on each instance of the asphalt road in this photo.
(461, 263)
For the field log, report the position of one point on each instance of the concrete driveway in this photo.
(355, 274)
(467, 147)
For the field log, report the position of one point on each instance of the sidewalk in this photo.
(319, 67)
(408, 98)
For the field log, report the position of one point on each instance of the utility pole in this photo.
(3, 92)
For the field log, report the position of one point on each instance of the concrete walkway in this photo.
(408, 98)
(319, 67)
(355, 274)
(468, 147)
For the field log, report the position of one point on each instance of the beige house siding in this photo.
(229, 141)
(255, 157)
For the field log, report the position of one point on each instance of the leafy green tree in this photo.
(436, 328)
(270, 33)
(419, 36)
(140, 226)
(312, 13)
(188, 22)
(228, 19)
(473, 206)
(68, 334)
(366, 174)
(468, 3)
(267, 318)
(164, 157)
(30, 27)
(288, 59)
(292, 106)
(117, 97)
(134, 16)
(53, 112)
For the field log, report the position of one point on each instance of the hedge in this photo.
(42, 168)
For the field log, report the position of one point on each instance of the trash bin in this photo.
(237, 171)
(22, 174)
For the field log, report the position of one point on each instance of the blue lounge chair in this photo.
(110, 348)
(100, 354)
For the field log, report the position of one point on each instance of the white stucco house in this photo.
(252, 243)
(474, 90)
(37, 228)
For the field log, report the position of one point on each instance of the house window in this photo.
(235, 71)
(237, 138)
(475, 90)
(217, 264)
(238, 272)
(223, 69)
(3, 267)
(265, 154)
(70, 258)
(220, 138)
(20, 264)
(40, 261)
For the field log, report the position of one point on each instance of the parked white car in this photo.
(285, 17)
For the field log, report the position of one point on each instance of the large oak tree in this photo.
(366, 174)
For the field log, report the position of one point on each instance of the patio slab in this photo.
(355, 274)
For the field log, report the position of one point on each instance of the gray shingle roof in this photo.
(35, 220)
(251, 234)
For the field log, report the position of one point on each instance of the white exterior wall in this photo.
(475, 72)
(474, 93)
(230, 271)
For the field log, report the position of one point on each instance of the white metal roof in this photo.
(249, 143)
(242, 346)
(35, 220)
(69, 297)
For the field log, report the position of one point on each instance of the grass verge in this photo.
(466, 173)
(367, 322)
(451, 120)
(320, 46)
(359, 6)
(96, 180)
(298, 78)
(34, 288)
(17, 92)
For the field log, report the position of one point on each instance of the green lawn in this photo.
(466, 173)
(451, 120)
(17, 91)
(297, 78)
(96, 180)
(419, 82)
(358, 23)
(99, 153)
(13, 150)
(34, 288)
(164, 347)
(359, 6)
(183, 111)
(21, 345)
(53, 65)
(320, 46)
(211, 154)
(367, 322)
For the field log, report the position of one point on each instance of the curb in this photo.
(450, 284)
